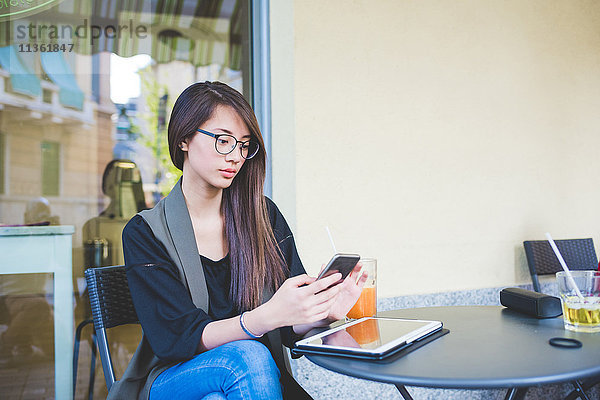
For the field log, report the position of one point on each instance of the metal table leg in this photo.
(579, 391)
(516, 394)
(404, 392)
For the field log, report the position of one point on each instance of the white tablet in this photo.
(370, 337)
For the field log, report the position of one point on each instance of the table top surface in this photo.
(487, 347)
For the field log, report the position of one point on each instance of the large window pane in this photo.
(86, 89)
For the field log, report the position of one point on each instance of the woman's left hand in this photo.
(349, 293)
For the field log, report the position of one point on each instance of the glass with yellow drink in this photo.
(366, 306)
(581, 311)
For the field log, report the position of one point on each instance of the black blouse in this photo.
(219, 273)
(171, 322)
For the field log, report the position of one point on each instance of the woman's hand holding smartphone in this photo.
(340, 262)
(305, 302)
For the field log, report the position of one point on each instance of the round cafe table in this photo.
(487, 347)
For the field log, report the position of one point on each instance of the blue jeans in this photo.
(243, 369)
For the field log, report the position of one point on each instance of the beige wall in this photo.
(436, 135)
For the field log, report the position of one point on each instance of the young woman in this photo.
(213, 269)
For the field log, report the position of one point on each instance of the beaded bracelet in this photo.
(246, 331)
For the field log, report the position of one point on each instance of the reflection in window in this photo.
(50, 169)
(102, 88)
(26, 320)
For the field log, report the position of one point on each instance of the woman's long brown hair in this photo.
(256, 261)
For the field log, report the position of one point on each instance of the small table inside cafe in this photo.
(47, 249)
(488, 347)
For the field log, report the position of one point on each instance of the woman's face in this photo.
(202, 165)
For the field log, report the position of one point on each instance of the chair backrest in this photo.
(112, 306)
(579, 254)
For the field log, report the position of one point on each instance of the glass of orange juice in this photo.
(366, 305)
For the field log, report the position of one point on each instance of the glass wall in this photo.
(86, 88)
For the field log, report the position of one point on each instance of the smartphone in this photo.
(343, 263)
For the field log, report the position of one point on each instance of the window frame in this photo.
(261, 79)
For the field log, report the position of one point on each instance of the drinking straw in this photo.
(563, 264)
(330, 238)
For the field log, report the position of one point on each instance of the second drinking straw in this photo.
(563, 264)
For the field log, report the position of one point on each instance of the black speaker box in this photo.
(536, 304)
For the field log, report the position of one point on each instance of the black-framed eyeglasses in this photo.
(225, 144)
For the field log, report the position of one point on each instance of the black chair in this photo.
(112, 306)
(579, 254)
(77, 340)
